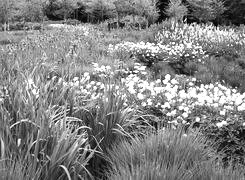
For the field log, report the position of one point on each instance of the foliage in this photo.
(99, 10)
(30, 11)
(61, 8)
(229, 141)
(21, 10)
(147, 9)
(176, 10)
(207, 10)
(234, 11)
(5, 10)
(141, 8)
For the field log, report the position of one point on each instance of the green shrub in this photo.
(134, 22)
(223, 69)
(229, 141)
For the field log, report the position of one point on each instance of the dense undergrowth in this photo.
(167, 102)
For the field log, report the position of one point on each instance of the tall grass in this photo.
(109, 122)
(170, 154)
(38, 139)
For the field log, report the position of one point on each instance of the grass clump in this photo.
(169, 154)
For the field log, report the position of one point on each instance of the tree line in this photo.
(217, 11)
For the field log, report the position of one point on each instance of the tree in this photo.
(176, 10)
(147, 9)
(99, 10)
(6, 7)
(61, 9)
(162, 5)
(235, 11)
(29, 10)
(206, 10)
(142, 8)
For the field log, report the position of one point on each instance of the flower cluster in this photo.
(207, 36)
(161, 52)
(179, 100)
(185, 42)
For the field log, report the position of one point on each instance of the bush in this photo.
(229, 141)
(223, 69)
(135, 22)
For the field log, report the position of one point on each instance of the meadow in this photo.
(81, 102)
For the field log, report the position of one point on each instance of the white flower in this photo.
(76, 83)
(182, 94)
(238, 101)
(75, 79)
(86, 74)
(167, 105)
(211, 86)
(140, 96)
(167, 77)
(186, 109)
(174, 81)
(158, 81)
(174, 112)
(88, 86)
(181, 108)
(185, 115)
(220, 124)
(149, 102)
(222, 113)
(131, 90)
(198, 119)
(241, 107)
(215, 105)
